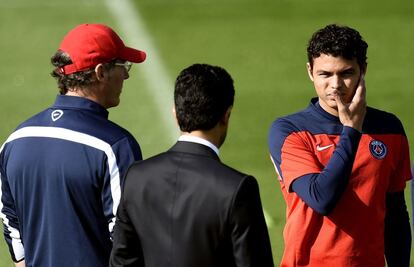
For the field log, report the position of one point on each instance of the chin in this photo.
(333, 106)
(111, 105)
(330, 103)
(116, 102)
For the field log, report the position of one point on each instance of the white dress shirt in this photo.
(195, 139)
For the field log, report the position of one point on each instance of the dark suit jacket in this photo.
(184, 208)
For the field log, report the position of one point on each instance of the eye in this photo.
(348, 74)
(323, 74)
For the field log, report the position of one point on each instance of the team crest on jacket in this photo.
(378, 149)
(56, 114)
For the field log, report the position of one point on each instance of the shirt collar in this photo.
(195, 139)
(75, 102)
(317, 107)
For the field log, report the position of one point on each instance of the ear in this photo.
(226, 117)
(174, 113)
(364, 69)
(100, 72)
(309, 68)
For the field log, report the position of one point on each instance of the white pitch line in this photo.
(136, 35)
(134, 31)
(268, 218)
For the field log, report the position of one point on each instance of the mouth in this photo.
(333, 94)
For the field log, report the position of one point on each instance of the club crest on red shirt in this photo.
(378, 149)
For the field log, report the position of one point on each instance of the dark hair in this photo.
(80, 79)
(337, 41)
(202, 95)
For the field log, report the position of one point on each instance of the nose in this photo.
(126, 75)
(336, 82)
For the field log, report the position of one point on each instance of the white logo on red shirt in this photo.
(321, 148)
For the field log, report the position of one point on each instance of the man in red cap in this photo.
(61, 170)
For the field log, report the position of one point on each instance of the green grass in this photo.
(261, 43)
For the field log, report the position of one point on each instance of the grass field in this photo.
(260, 42)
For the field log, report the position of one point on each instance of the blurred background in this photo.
(262, 43)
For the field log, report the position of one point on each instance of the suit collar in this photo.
(194, 148)
(199, 140)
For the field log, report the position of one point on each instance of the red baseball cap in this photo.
(91, 44)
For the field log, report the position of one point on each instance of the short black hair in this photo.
(202, 95)
(338, 41)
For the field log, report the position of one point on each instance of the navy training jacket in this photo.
(61, 174)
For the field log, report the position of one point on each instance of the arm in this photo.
(397, 232)
(321, 191)
(126, 151)
(320, 188)
(126, 250)
(250, 238)
(10, 221)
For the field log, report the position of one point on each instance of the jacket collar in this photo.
(314, 104)
(194, 148)
(199, 140)
(75, 102)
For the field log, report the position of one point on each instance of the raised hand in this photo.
(352, 114)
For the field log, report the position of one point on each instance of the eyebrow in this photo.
(350, 69)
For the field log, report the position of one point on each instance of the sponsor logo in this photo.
(321, 148)
(56, 114)
(378, 149)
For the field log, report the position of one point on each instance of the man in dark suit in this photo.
(184, 207)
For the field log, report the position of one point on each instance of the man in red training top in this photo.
(342, 165)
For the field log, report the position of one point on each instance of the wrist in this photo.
(357, 127)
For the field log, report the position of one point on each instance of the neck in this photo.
(211, 135)
(88, 94)
(217, 134)
(330, 110)
(80, 93)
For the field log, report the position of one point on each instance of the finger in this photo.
(340, 104)
(360, 91)
(362, 86)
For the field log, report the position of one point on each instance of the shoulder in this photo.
(119, 133)
(285, 126)
(150, 167)
(84, 122)
(290, 123)
(203, 170)
(247, 186)
(229, 183)
(35, 120)
(229, 171)
(80, 127)
(104, 129)
(382, 122)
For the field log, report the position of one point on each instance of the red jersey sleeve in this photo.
(298, 158)
(402, 171)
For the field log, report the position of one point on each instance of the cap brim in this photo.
(133, 55)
